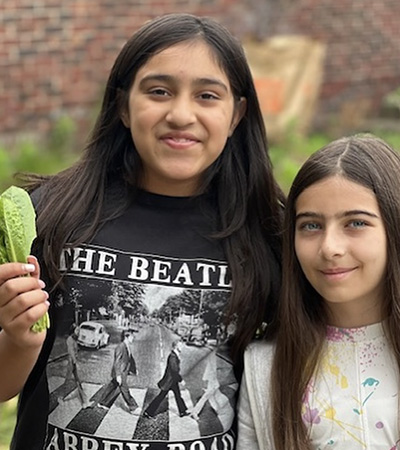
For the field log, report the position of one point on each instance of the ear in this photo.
(240, 110)
(123, 107)
(125, 118)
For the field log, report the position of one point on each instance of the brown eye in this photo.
(159, 92)
(209, 96)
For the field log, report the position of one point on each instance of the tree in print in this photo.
(186, 302)
(128, 297)
(213, 310)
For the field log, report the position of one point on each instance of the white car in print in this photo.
(92, 334)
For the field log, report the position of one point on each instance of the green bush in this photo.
(7, 421)
(55, 154)
(288, 155)
(30, 157)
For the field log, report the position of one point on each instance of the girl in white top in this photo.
(330, 380)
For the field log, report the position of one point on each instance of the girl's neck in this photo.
(350, 316)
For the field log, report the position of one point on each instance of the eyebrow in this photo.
(169, 78)
(352, 212)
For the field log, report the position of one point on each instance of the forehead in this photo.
(336, 194)
(189, 58)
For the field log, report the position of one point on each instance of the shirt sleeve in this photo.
(247, 438)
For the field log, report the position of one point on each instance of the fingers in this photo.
(14, 287)
(33, 260)
(25, 309)
(13, 270)
(14, 278)
(21, 297)
(22, 303)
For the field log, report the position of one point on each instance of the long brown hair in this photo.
(71, 205)
(370, 162)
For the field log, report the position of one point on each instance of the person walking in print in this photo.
(72, 377)
(170, 382)
(123, 365)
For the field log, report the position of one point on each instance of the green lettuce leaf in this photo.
(17, 232)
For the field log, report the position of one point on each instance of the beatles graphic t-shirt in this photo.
(140, 355)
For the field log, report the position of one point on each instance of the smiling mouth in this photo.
(179, 143)
(336, 274)
(181, 139)
(336, 271)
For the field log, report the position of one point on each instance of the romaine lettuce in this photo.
(17, 232)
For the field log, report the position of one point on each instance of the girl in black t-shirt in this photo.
(179, 118)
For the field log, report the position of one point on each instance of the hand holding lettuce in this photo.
(17, 232)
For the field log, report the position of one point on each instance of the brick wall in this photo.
(55, 55)
(363, 47)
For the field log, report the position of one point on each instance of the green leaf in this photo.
(41, 324)
(17, 223)
(3, 252)
(17, 233)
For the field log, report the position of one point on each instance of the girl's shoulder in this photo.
(258, 357)
(261, 347)
(258, 360)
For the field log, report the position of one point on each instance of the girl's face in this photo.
(181, 112)
(340, 242)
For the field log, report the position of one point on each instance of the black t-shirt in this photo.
(154, 272)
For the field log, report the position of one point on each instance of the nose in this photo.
(332, 244)
(181, 111)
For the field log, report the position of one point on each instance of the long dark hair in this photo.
(370, 162)
(248, 200)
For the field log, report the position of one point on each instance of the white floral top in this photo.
(352, 401)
